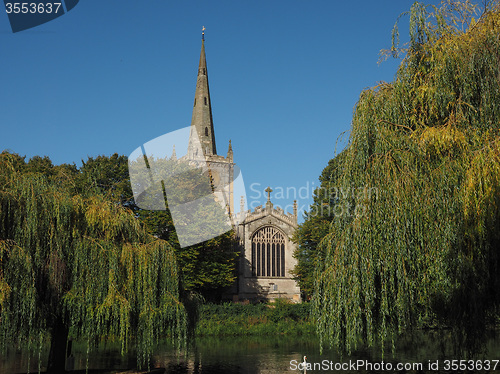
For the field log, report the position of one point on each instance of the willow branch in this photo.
(395, 124)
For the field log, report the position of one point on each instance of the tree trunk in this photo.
(57, 354)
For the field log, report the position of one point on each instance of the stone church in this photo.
(264, 235)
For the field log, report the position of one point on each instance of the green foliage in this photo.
(42, 165)
(424, 247)
(80, 263)
(284, 310)
(230, 319)
(315, 227)
(106, 176)
(101, 266)
(65, 175)
(208, 267)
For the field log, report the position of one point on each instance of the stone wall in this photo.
(266, 287)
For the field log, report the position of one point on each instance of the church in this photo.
(264, 234)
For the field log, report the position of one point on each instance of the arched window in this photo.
(268, 253)
(206, 131)
(206, 102)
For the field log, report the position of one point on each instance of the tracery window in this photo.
(268, 253)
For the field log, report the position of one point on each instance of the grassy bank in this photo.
(230, 319)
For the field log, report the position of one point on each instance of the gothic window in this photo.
(268, 253)
(206, 131)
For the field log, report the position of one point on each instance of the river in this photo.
(424, 353)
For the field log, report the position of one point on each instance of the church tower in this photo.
(264, 235)
(202, 121)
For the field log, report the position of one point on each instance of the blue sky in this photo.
(111, 75)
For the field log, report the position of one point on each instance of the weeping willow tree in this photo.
(419, 237)
(80, 266)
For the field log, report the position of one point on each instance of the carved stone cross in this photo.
(268, 190)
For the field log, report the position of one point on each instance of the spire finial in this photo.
(230, 151)
(203, 33)
(268, 190)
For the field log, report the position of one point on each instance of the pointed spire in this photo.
(201, 120)
(295, 210)
(230, 151)
(174, 155)
(202, 66)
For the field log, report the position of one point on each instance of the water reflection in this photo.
(416, 354)
(262, 355)
(240, 355)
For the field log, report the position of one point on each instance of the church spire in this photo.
(201, 121)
